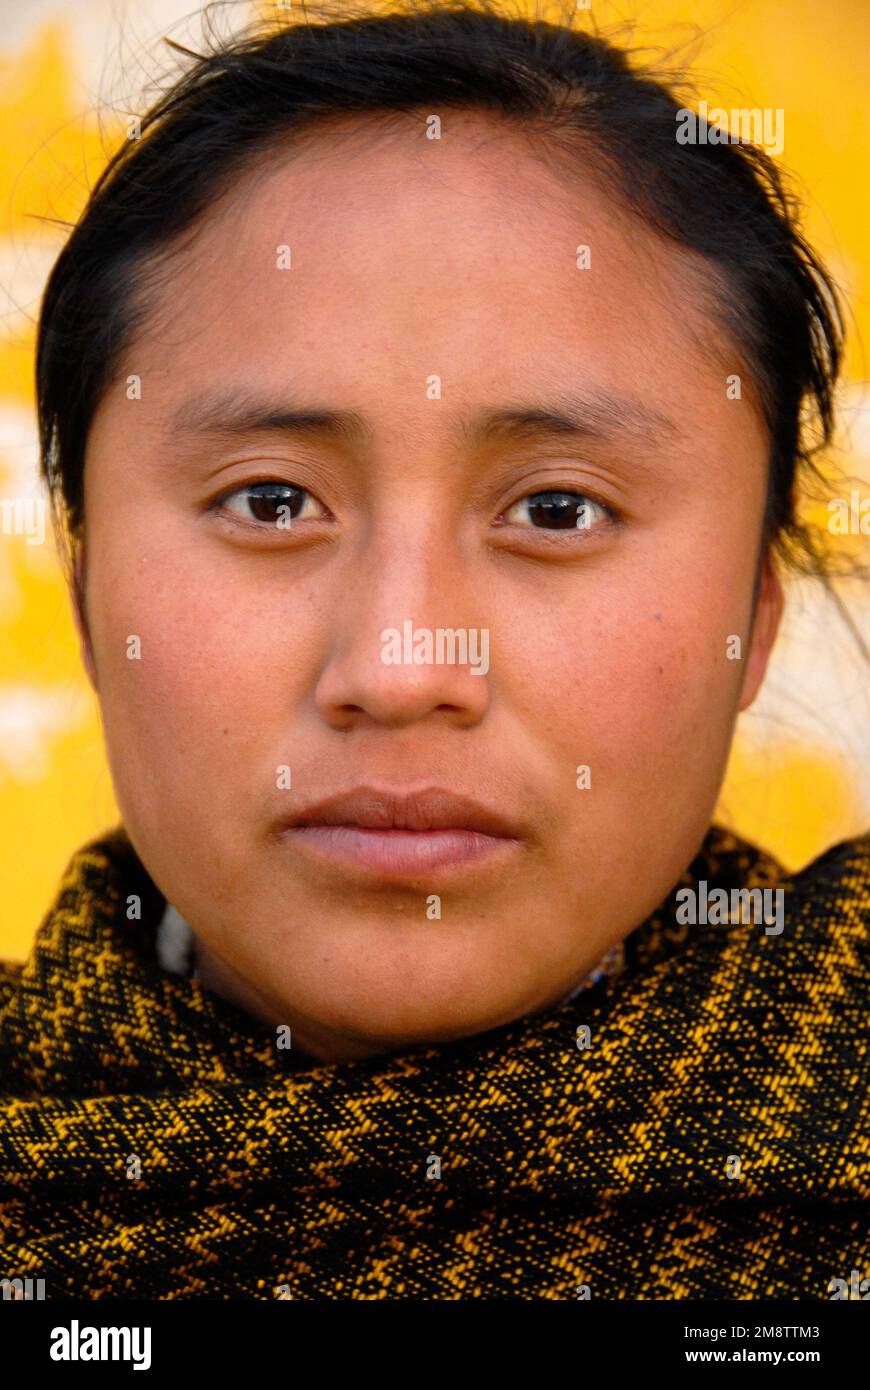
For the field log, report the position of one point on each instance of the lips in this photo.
(430, 809)
(399, 834)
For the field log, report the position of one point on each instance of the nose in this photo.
(407, 644)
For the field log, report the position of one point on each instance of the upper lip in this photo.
(381, 809)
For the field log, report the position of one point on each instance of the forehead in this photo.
(368, 250)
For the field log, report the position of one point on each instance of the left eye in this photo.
(273, 503)
(558, 511)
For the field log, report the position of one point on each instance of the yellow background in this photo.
(800, 772)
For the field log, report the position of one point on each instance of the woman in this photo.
(425, 422)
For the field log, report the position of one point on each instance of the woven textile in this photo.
(710, 1141)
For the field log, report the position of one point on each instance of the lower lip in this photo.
(397, 853)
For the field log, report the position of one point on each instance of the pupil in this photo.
(557, 509)
(264, 499)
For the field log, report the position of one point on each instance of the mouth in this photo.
(389, 835)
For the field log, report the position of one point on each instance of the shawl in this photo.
(695, 1126)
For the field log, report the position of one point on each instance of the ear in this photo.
(769, 601)
(79, 612)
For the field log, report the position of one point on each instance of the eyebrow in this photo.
(233, 412)
(594, 415)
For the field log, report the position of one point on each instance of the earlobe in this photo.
(765, 625)
(77, 598)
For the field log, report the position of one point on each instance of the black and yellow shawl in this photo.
(711, 1141)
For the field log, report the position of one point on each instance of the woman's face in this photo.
(434, 302)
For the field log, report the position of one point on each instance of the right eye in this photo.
(271, 503)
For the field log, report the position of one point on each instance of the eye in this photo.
(271, 503)
(558, 510)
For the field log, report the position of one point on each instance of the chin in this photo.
(383, 1022)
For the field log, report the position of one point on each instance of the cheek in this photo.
(637, 684)
(204, 707)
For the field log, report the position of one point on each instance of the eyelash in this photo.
(274, 485)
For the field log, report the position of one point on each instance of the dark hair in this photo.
(569, 88)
